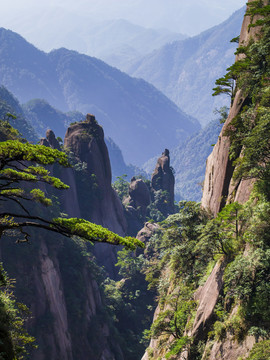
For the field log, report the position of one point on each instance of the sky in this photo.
(185, 16)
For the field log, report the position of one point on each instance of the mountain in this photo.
(118, 42)
(186, 70)
(213, 258)
(189, 161)
(190, 17)
(42, 116)
(138, 117)
(9, 105)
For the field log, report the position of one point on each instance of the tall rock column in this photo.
(163, 180)
(85, 140)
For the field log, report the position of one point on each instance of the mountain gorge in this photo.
(194, 284)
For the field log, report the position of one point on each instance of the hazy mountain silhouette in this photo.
(186, 70)
(138, 117)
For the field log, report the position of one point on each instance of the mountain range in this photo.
(138, 117)
(186, 70)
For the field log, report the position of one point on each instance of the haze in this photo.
(187, 17)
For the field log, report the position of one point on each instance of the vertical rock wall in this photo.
(219, 187)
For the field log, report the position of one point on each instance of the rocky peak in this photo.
(85, 140)
(50, 140)
(139, 194)
(163, 177)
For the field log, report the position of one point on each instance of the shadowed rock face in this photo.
(136, 205)
(86, 141)
(163, 178)
(51, 280)
(50, 140)
(139, 194)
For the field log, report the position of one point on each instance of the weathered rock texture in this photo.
(219, 189)
(139, 194)
(86, 141)
(230, 349)
(219, 186)
(136, 205)
(163, 178)
(219, 167)
(147, 231)
(55, 278)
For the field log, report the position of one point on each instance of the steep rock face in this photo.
(58, 286)
(57, 282)
(70, 197)
(219, 168)
(139, 194)
(86, 141)
(51, 279)
(219, 189)
(219, 186)
(230, 349)
(136, 205)
(163, 178)
(147, 231)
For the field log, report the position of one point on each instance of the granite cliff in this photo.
(59, 278)
(223, 315)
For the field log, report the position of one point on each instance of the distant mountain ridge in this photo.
(186, 70)
(189, 161)
(138, 117)
(42, 116)
(116, 39)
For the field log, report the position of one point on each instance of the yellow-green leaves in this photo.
(16, 150)
(93, 232)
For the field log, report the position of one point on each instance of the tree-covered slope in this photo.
(11, 110)
(43, 116)
(139, 118)
(186, 70)
(212, 272)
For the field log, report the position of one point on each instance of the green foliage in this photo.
(175, 267)
(13, 118)
(225, 85)
(249, 130)
(15, 340)
(15, 169)
(121, 186)
(93, 232)
(260, 351)
(222, 234)
(130, 303)
(173, 319)
(222, 113)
